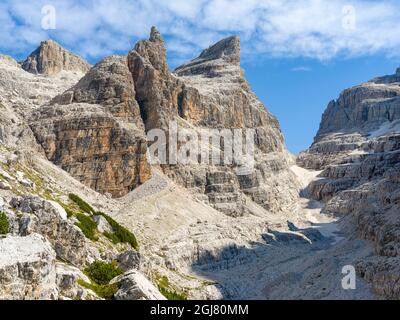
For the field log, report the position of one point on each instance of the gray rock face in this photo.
(134, 286)
(358, 150)
(50, 58)
(109, 84)
(94, 130)
(129, 260)
(226, 50)
(348, 122)
(210, 92)
(43, 217)
(365, 107)
(157, 91)
(67, 283)
(27, 268)
(383, 273)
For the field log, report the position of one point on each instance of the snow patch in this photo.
(386, 128)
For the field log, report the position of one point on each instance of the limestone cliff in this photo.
(104, 146)
(358, 150)
(50, 58)
(206, 230)
(210, 92)
(94, 130)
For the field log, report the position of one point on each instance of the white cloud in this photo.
(301, 69)
(281, 28)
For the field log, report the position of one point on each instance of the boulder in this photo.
(102, 224)
(135, 286)
(129, 260)
(27, 268)
(43, 217)
(67, 278)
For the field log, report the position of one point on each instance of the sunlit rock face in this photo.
(50, 58)
(358, 150)
(27, 269)
(210, 92)
(94, 130)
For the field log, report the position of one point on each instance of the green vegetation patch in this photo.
(4, 224)
(120, 234)
(102, 273)
(106, 291)
(84, 206)
(164, 287)
(87, 225)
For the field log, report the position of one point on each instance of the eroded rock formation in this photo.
(358, 150)
(50, 58)
(104, 146)
(94, 130)
(211, 93)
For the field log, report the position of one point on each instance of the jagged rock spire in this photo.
(153, 51)
(155, 35)
(51, 58)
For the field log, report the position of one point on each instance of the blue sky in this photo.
(298, 54)
(298, 98)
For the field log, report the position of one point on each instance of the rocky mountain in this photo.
(50, 58)
(79, 181)
(358, 152)
(94, 130)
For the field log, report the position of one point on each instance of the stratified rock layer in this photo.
(211, 93)
(358, 150)
(94, 130)
(104, 146)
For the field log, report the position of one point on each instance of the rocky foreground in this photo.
(86, 213)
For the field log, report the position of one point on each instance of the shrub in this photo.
(112, 237)
(87, 225)
(84, 206)
(102, 273)
(4, 224)
(172, 295)
(106, 291)
(163, 286)
(69, 212)
(120, 234)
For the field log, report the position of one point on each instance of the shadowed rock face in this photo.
(358, 149)
(50, 58)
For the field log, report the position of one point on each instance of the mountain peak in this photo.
(51, 58)
(227, 49)
(215, 60)
(155, 35)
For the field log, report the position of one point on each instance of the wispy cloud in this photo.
(320, 29)
(301, 69)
